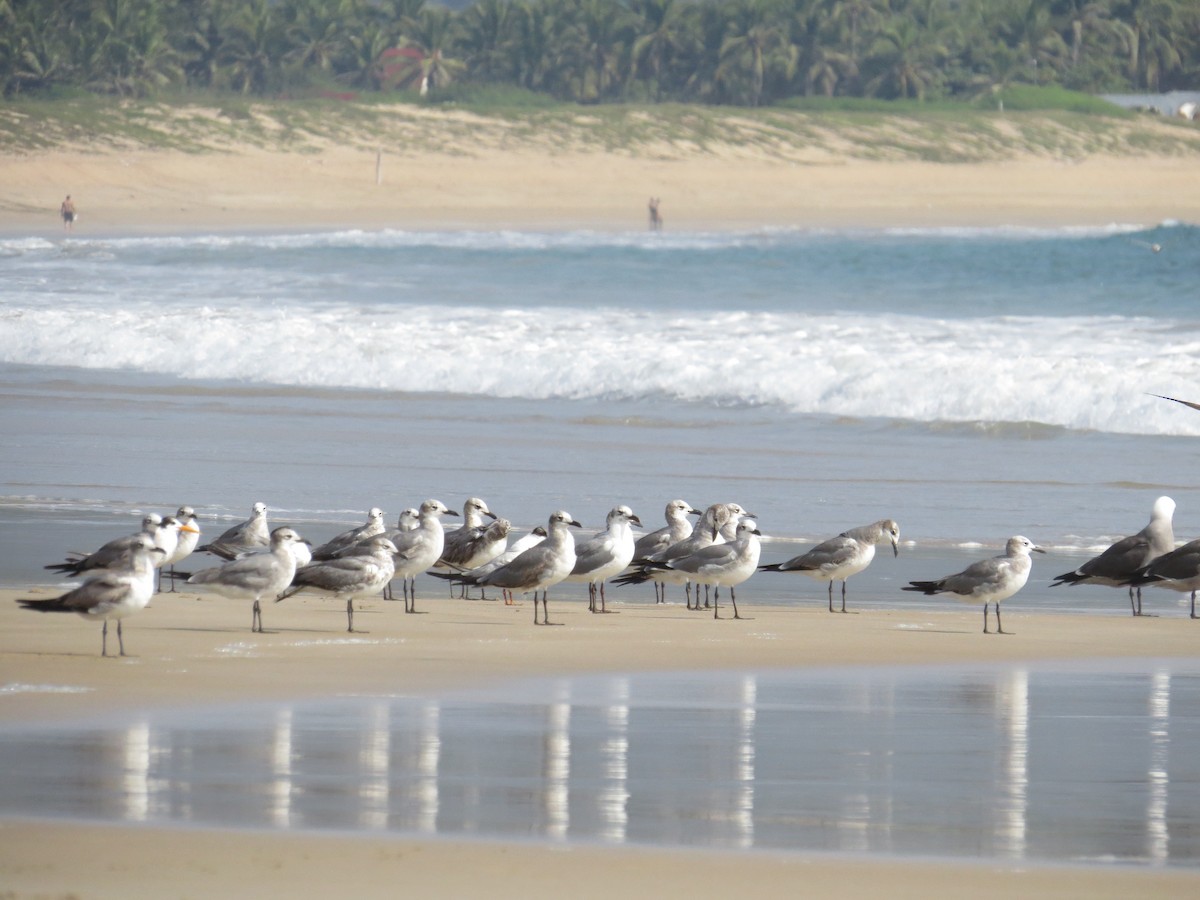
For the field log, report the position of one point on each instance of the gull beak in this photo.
(635, 520)
(694, 512)
(1036, 550)
(491, 515)
(895, 549)
(574, 524)
(450, 512)
(191, 529)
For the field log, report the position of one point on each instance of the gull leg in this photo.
(831, 595)
(843, 593)
(104, 639)
(256, 620)
(350, 614)
(120, 637)
(1193, 604)
(999, 627)
(733, 600)
(716, 601)
(985, 631)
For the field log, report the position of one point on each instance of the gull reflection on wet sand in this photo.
(1072, 763)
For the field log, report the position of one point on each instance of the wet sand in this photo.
(196, 650)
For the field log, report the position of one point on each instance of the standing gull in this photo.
(727, 564)
(361, 575)
(335, 545)
(461, 544)
(1178, 570)
(112, 554)
(419, 548)
(606, 554)
(677, 528)
(989, 580)
(112, 594)
(539, 568)
(256, 575)
(514, 550)
(1120, 562)
(250, 535)
(708, 531)
(842, 556)
(189, 537)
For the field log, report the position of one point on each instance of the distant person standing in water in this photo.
(68, 213)
(656, 221)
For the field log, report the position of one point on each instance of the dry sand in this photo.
(191, 649)
(154, 191)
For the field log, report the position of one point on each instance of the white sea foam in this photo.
(1074, 372)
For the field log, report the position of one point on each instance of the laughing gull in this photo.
(335, 545)
(472, 544)
(840, 557)
(114, 553)
(1120, 562)
(112, 594)
(708, 531)
(250, 535)
(989, 580)
(726, 564)
(419, 548)
(514, 550)
(361, 575)
(1178, 570)
(605, 554)
(537, 569)
(255, 576)
(677, 528)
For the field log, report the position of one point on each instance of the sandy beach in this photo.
(164, 191)
(190, 649)
(198, 650)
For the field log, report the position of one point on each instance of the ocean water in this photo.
(970, 383)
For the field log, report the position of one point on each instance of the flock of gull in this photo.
(721, 550)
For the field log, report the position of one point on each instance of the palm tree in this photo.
(597, 41)
(319, 33)
(487, 32)
(854, 22)
(433, 34)
(1153, 53)
(905, 60)
(755, 42)
(252, 53)
(657, 24)
(130, 53)
(366, 61)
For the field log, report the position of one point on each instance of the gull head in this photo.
(562, 517)
(892, 530)
(1019, 545)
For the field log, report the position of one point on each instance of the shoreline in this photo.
(199, 647)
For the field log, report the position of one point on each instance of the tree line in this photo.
(739, 52)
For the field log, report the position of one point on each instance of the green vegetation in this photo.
(866, 129)
(520, 53)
